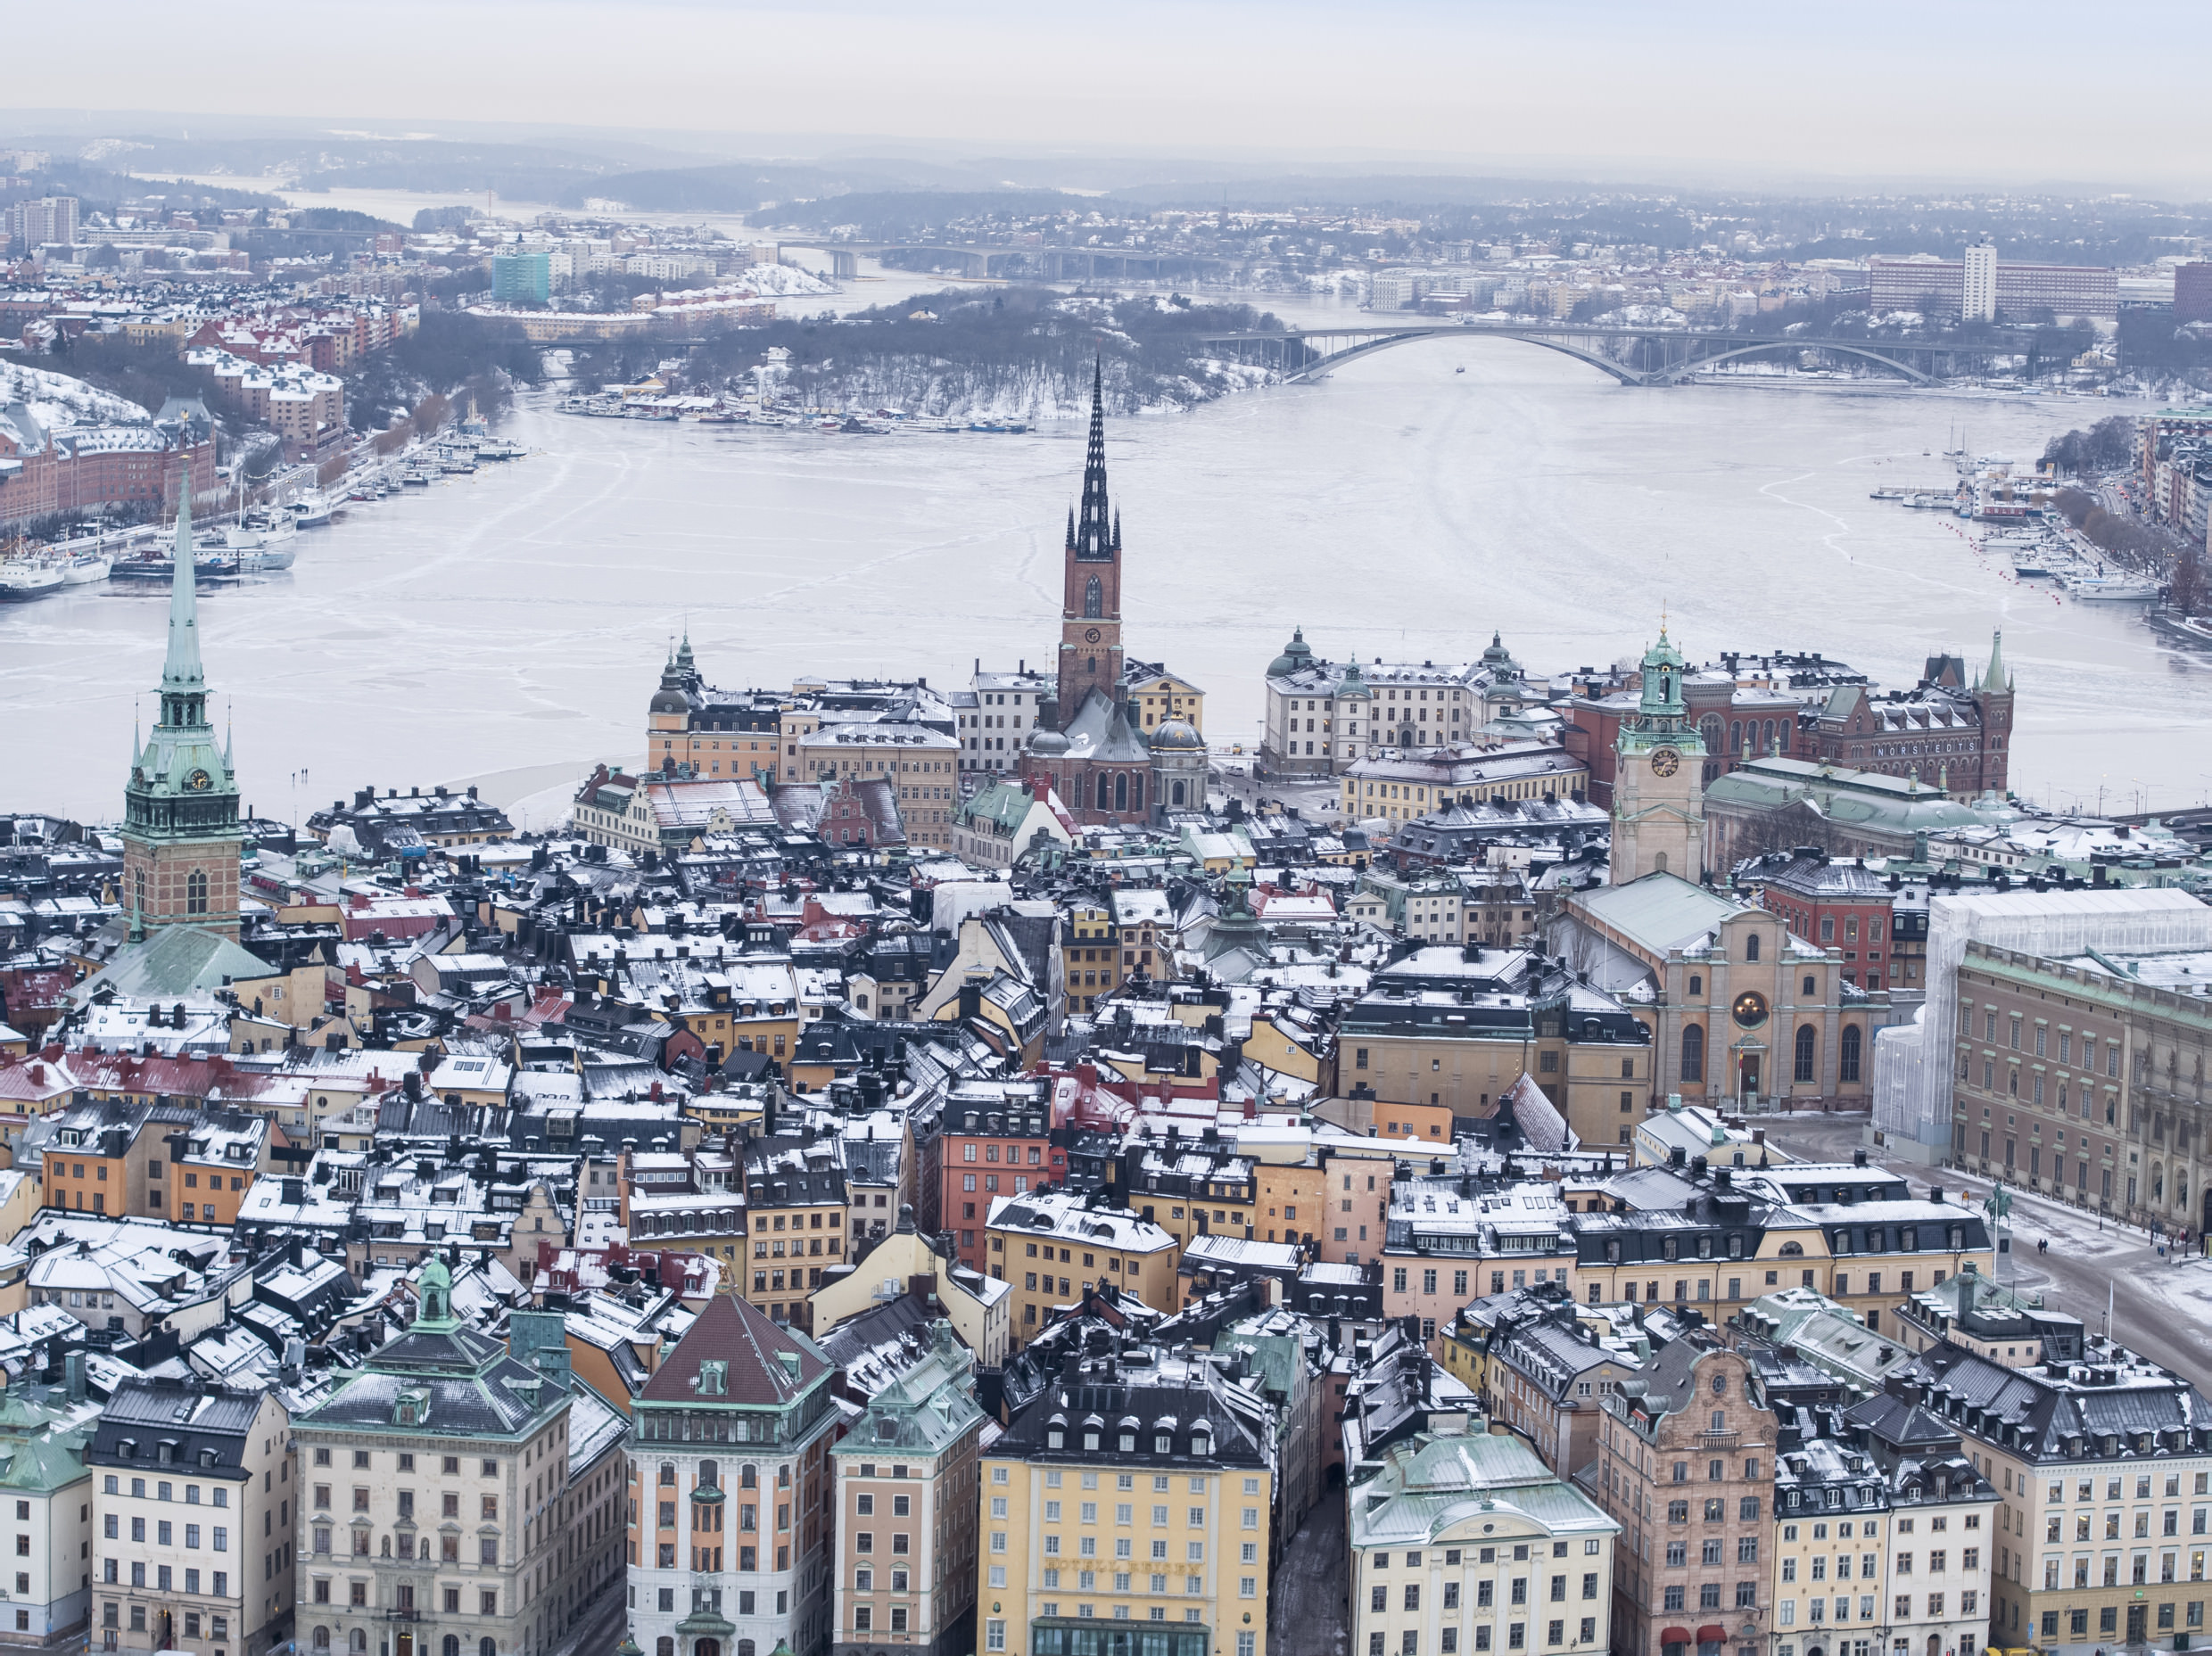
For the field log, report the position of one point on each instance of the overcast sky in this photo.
(1955, 89)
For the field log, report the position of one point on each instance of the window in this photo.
(1693, 1052)
(1804, 1070)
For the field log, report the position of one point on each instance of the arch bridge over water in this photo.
(1632, 355)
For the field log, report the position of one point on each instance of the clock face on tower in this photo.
(198, 782)
(1090, 635)
(1665, 762)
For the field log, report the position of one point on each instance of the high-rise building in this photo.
(48, 220)
(181, 837)
(524, 278)
(1979, 303)
(2192, 292)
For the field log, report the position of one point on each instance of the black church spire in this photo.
(1096, 533)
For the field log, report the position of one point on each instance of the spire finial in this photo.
(1094, 536)
(1995, 679)
(182, 671)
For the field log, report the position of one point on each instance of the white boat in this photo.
(24, 578)
(500, 451)
(311, 510)
(2112, 590)
(88, 567)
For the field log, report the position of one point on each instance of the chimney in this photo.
(553, 1366)
(73, 1369)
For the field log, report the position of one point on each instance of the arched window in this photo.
(707, 1647)
(1179, 793)
(708, 1475)
(749, 1477)
(1804, 1052)
(1735, 736)
(452, 1647)
(662, 1646)
(1094, 600)
(1136, 792)
(1751, 946)
(668, 1474)
(1793, 1250)
(1121, 790)
(1694, 1052)
(1105, 791)
(1847, 1054)
(357, 1641)
(195, 893)
(745, 1647)
(321, 1639)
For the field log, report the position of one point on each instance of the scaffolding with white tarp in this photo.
(1913, 1066)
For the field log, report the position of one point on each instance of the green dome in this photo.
(1296, 654)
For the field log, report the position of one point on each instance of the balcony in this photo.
(1718, 1440)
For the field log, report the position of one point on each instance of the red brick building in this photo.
(1835, 903)
(1952, 728)
(83, 469)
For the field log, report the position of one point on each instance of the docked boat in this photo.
(24, 579)
(311, 510)
(500, 451)
(414, 477)
(2113, 590)
(88, 567)
(210, 564)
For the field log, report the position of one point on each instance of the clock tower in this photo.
(1090, 615)
(1658, 816)
(181, 836)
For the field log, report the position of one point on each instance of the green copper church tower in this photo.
(181, 836)
(1658, 786)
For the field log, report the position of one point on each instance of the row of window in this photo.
(1517, 1638)
(1378, 1597)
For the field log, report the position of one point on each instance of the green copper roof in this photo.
(175, 963)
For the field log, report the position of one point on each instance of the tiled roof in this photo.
(732, 1331)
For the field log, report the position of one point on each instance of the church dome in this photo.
(1296, 654)
(1177, 736)
(668, 699)
(1047, 743)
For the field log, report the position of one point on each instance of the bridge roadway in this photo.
(844, 257)
(1680, 353)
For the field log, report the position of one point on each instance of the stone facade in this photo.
(1686, 1466)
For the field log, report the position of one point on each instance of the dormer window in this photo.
(713, 1379)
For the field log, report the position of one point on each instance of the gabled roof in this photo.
(1661, 912)
(731, 1332)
